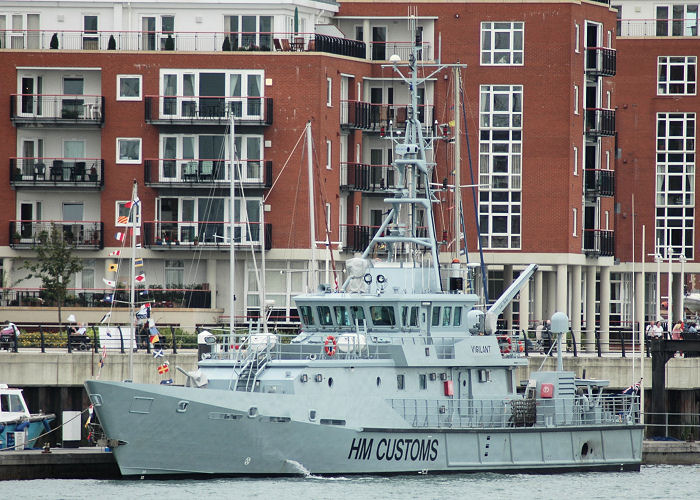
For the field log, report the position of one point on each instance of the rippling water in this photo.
(661, 481)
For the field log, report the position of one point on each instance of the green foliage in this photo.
(33, 339)
(55, 264)
(54, 41)
(226, 46)
(170, 42)
(112, 43)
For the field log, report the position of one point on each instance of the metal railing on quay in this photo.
(673, 426)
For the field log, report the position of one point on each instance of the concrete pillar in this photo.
(211, 279)
(508, 311)
(551, 288)
(589, 344)
(562, 289)
(605, 308)
(367, 38)
(524, 312)
(576, 302)
(639, 300)
(538, 316)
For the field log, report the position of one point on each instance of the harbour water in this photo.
(653, 482)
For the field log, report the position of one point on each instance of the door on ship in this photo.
(464, 392)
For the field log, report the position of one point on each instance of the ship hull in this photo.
(166, 431)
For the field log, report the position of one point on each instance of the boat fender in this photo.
(22, 426)
(330, 345)
(47, 427)
(506, 344)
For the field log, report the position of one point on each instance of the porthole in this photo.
(330, 381)
(182, 406)
(379, 381)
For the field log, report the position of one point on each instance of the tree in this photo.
(226, 46)
(112, 43)
(55, 264)
(53, 44)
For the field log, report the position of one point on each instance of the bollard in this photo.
(172, 332)
(41, 338)
(70, 348)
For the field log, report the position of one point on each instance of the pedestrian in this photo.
(657, 331)
(677, 332)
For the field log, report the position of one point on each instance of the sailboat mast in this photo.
(312, 219)
(457, 163)
(132, 280)
(232, 210)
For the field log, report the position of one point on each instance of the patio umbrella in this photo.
(296, 20)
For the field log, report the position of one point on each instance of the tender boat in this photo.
(18, 427)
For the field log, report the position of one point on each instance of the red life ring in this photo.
(505, 343)
(330, 345)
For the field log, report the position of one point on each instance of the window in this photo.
(435, 321)
(329, 150)
(329, 92)
(677, 75)
(575, 221)
(675, 183)
(306, 316)
(500, 159)
(128, 87)
(502, 43)
(422, 381)
(409, 316)
(357, 313)
(128, 150)
(174, 273)
(677, 20)
(249, 31)
(11, 403)
(575, 160)
(125, 216)
(400, 382)
(446, 313)
(577, 35)
(90, 39)
(457, 320)
(382, 315)
(324, 315)
(607, 220)
(341, 316)
(328, 217)
(576, 99)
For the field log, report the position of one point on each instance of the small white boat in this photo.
(18, 427)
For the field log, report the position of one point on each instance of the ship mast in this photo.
(132, 279)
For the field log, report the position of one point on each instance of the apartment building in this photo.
(552, 104)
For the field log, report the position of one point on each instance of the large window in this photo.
(246, 32)
(677, 20)
(675, 184)
(174, 273)
(502, 43)
(677, 75)
(500, 159)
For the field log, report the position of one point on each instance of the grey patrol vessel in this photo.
(391, 374)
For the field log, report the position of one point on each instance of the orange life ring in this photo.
(505, 344)
(330, 345)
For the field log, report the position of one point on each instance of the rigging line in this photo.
(325, 217)
(286, 162)
(484, 277)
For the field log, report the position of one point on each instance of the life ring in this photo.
(505, 344)
(330, 345)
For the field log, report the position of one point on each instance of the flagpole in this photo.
(132, 281)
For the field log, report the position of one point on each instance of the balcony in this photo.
(658, 27)
(82, 235)
(600, 122)
(601, 61)
(356, 238)
(599, 182)
(382, 51)
(175, 172)
(367, 178)
(597, 242)
(79, 173)
(74, 111)
(209, 110)
(209, 235)
(376, 117)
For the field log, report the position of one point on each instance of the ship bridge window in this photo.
(324, 315)
(436, 317)
(341, 316)
(11, 403)
(306, 317)
(457, 318)
(382, 315)
(409, 316)
(358, 314)
(446, 316)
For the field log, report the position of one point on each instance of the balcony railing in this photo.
(80, 234)
(600, 182)
(364, 177)
(600, 122)
(382, 51)
(213, 235)
(208, 110)
(44, 172)
(658, 27)
(356, 238)
(207, 173)
(601, 61)
(44, 109)
(368, 116)
(598, 242)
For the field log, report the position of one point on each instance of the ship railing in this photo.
(511, 412)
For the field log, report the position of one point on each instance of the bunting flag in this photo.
(107, 314)
(109, 283)
(138, 262)
(158, 354)
(167, 381)
(89, 419)
(113, 267)
(115, 253)
(123, 219)
(164, 368)
(120, 236)
(144, 312)
(141, 277)
(133, 203)
(153, 338)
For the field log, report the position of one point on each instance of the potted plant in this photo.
(226, 46)
(16, 237)
(93, 174)
(112, 43)
(54, 41)
(170, 42)
(196, 240)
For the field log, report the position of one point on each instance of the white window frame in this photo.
(607, 220)
(329, 154)
(576, 99)
(575, 160)
(577, 34)
(139, 97)
(490, 31)
(121, 160)
(329, 92)
(121, 210)
(575, 214)
(668, 63)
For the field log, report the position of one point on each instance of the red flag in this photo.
(164, 368)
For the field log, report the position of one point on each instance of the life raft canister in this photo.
(505, 344)
(330, 345)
